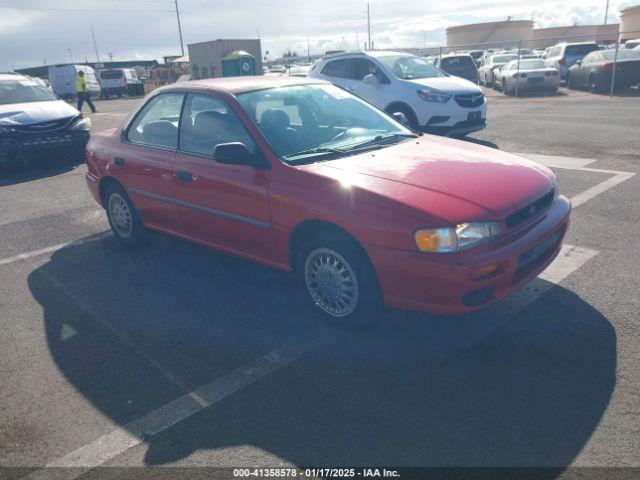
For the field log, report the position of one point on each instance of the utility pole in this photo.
(95, 45)
(606, 12)
(308, 50)
(70, 54)
(368, 28)
(179, 28)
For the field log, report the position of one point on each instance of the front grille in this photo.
(45, 126)
(530, 210)
(469, 100)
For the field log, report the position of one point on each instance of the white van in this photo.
(63, 79)
(119, 82)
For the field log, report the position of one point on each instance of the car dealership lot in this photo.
(175, 355)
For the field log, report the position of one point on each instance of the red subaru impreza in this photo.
(305, 177)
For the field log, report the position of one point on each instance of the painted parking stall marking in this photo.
(116, 442)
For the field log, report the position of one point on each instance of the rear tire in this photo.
(338, 280)
(124, 219)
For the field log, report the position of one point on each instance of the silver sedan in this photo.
(530, 74)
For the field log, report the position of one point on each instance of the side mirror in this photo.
(372, 80)
(233, 153)
(401, 117)
(578, 62)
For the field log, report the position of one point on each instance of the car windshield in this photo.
(503, 58)
(580, 49)
(409, 67)
(463, 61)
(532, 64)
(305, 123)
(22, 91)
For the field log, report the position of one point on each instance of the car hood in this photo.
(35, 112)
(448, 84)
(455, 180)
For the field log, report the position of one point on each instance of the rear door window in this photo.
(337, 68)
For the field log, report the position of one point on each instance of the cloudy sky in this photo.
(35, 31)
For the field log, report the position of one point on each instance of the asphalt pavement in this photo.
(176, 356)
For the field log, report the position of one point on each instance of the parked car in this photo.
(34, 122)
(303, 176)
(527, 75)
(63, 79)
(476, 55)
(401, 83)
(563, 55)
(486, 73)
(277, 69)
(299, 70)
(595, 70)
(631, 44)
(120, 82)
(458, 65)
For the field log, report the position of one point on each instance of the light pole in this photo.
(606, 12)
(179, 28)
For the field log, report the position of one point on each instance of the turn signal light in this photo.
(484, 271)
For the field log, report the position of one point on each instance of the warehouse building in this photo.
(206, 58)
(630, 23)
(490, 35)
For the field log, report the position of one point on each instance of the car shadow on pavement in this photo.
(15, 174)
(133, 330)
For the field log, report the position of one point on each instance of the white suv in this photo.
(396, 82)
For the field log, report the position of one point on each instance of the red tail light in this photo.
(607, 67)
(562, 62)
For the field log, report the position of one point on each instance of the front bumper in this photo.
(452, 119)
(444, 283)
(20, 142)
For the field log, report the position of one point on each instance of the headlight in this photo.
(448, 239)
(433, 96)
(83, 124)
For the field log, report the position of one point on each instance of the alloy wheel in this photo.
(331, 282)
(120, 215)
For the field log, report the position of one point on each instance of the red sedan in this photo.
(305, 177)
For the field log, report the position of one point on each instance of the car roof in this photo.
(243, 84)
(12, 76)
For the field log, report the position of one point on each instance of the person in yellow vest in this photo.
(83, 92)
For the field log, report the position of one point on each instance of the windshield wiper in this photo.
(382, 138)
(314, 151)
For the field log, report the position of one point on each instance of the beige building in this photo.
(546, 37)
(205, 58)
(490, 35)
(630, 23)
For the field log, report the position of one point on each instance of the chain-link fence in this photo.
(615, 67)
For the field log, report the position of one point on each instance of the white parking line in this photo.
(119, 440)
(52, 248)
(580, 164)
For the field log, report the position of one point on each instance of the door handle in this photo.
(184, 176)
(118, 161)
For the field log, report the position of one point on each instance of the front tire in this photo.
(338, 280)
(124, 219)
